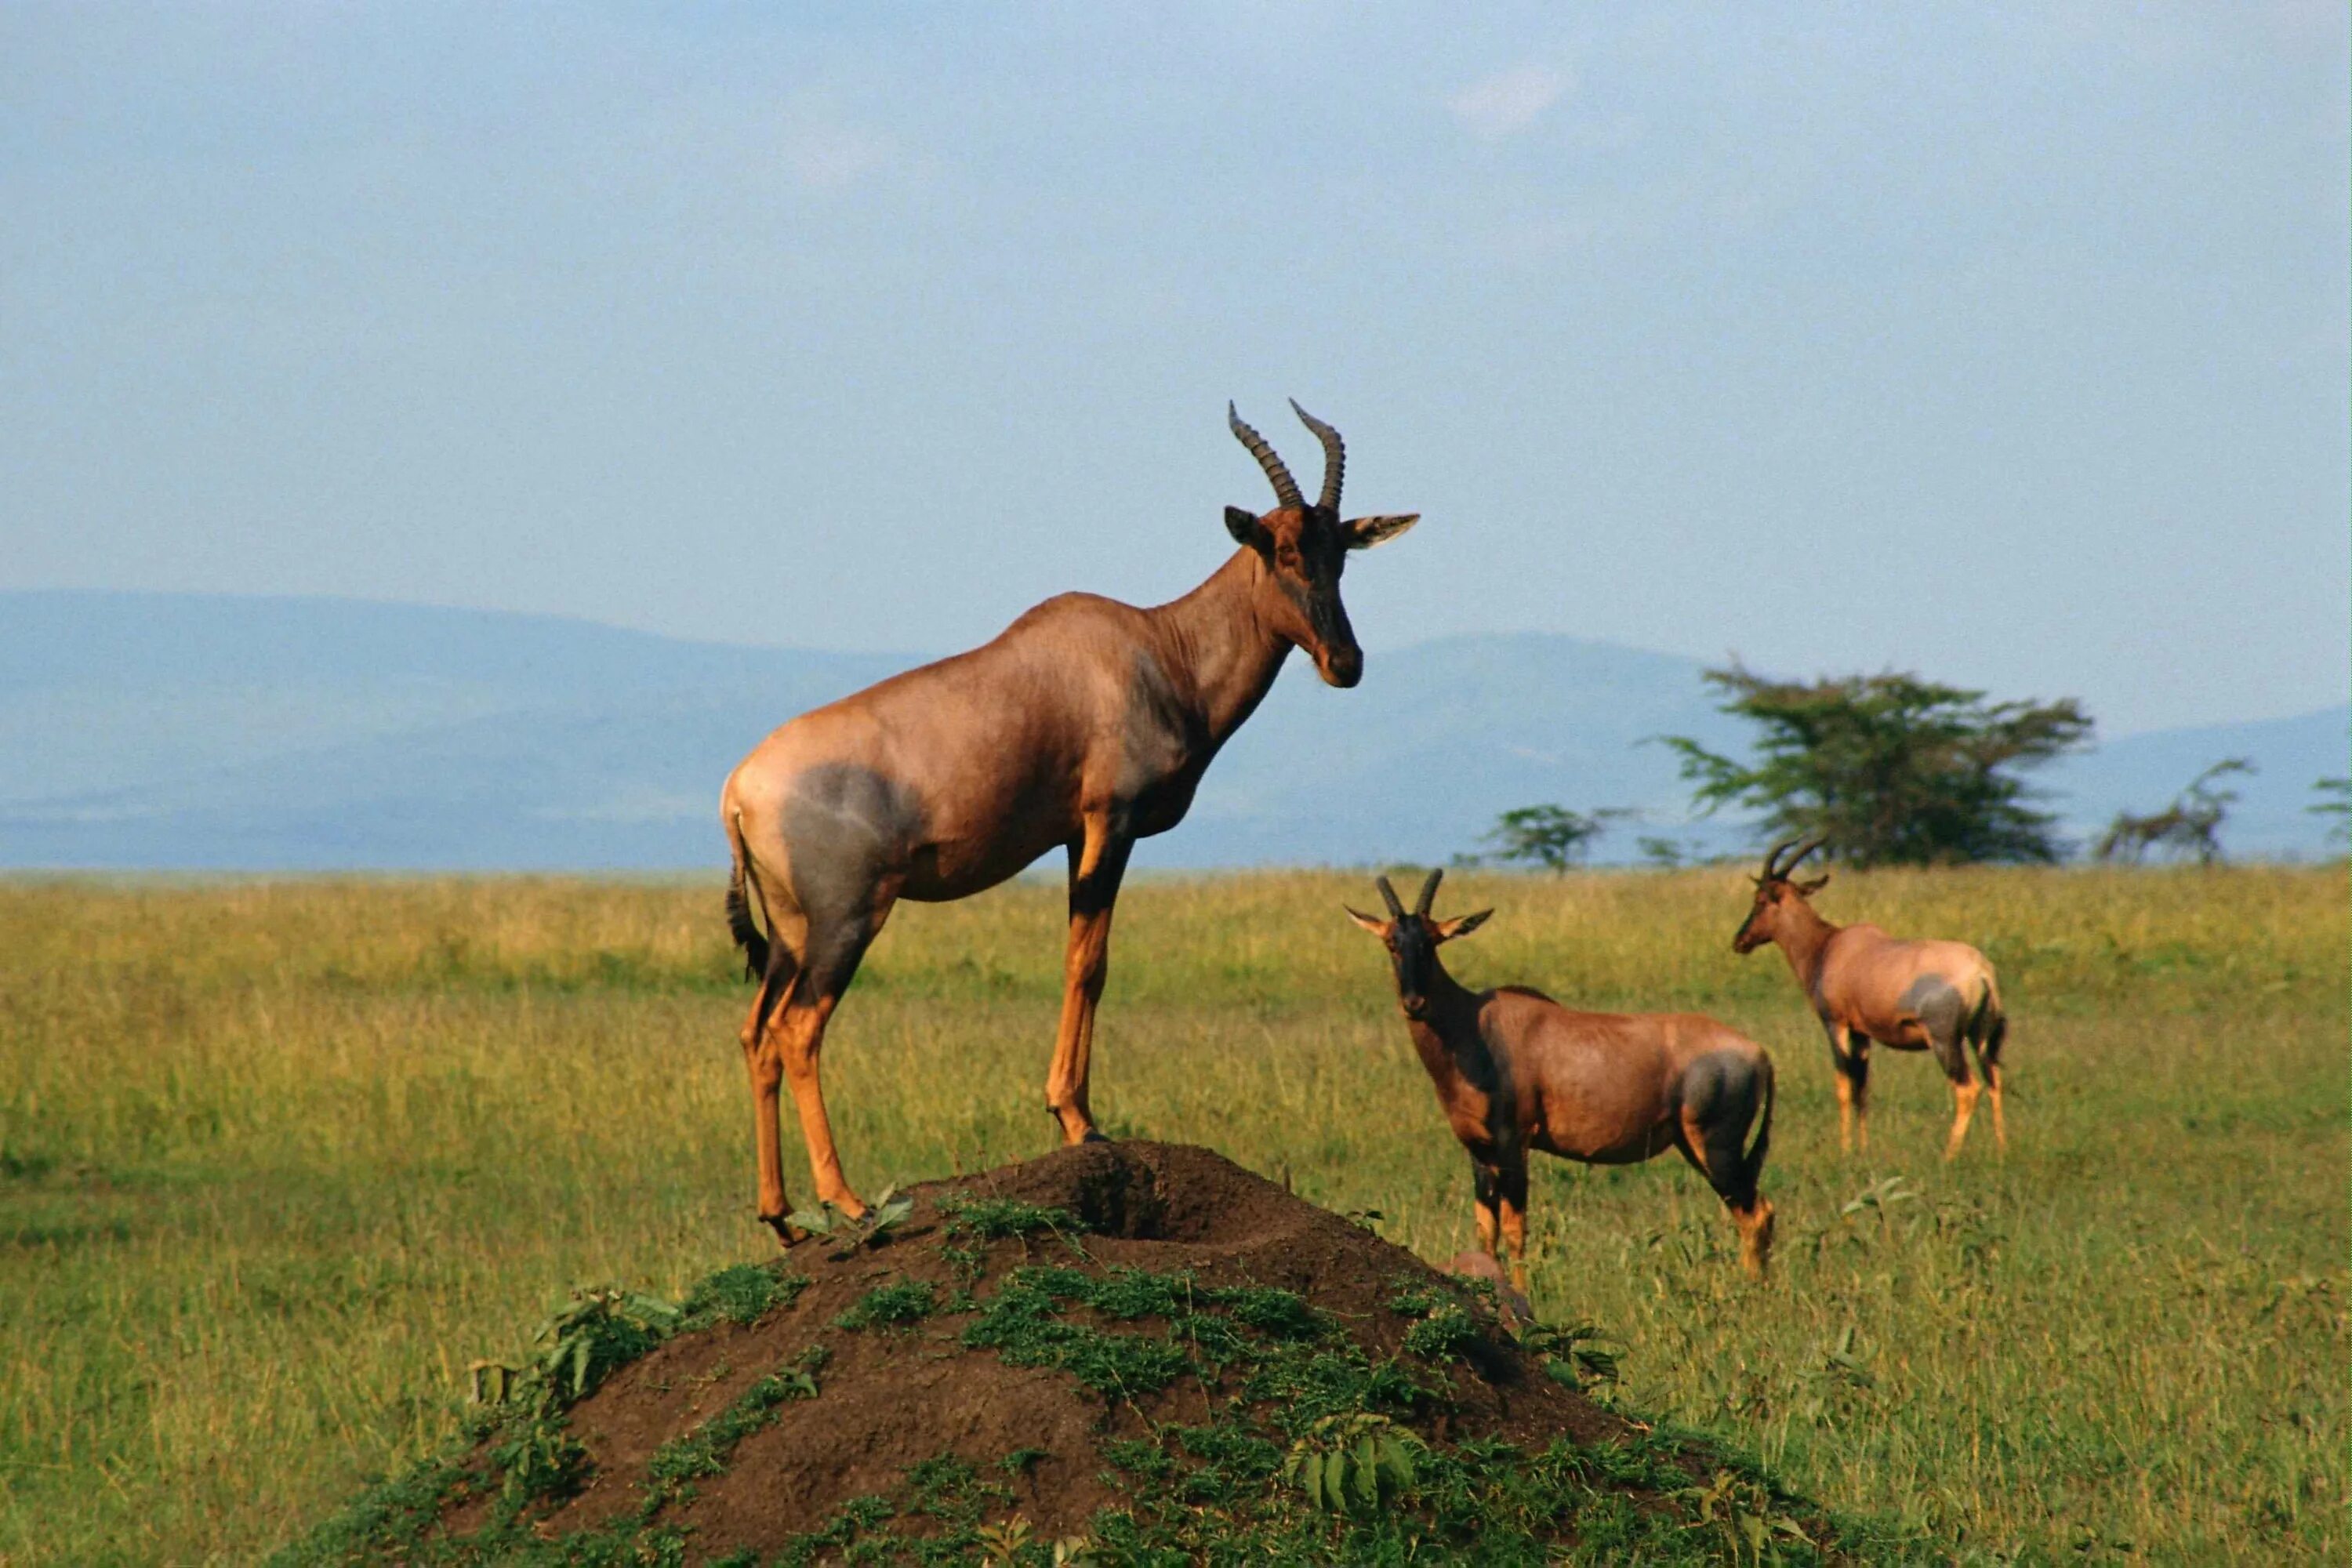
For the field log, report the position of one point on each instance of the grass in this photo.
(277, 1160)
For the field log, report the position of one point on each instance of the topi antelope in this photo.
(1514, 1071)
(1086, 723)
(1865, 985)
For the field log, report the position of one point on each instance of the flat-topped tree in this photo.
(1088, 723)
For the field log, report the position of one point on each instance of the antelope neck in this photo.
(1802, 937)
(1219, 646)
(1446, 1033)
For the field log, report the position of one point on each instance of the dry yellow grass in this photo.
(278, 1159)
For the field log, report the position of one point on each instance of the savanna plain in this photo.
(279, 1159)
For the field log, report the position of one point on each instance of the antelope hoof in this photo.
(787, 1235)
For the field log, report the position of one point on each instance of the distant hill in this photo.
(210, 733)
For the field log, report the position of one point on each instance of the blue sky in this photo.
(2011, 348)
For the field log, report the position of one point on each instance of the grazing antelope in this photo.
(1514, 1071)
(1865, 985)
(1086, 723)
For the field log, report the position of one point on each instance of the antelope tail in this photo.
(1988, 1023)
(740, 891)
(1753, 1165)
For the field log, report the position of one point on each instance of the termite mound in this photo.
(1117, 1352)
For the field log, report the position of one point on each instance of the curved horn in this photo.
(1286, 489)
(1772, 858)
(1429, 892)
(1335, 455)
(1388, 895)
(1797, 859)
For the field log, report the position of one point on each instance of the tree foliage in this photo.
(2191, 824)
(2336, 804)
(1892, 770)
(1549, 836)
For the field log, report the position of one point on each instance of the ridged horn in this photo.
(1429, 892)
(1335, 455)
(1772, 865)
(1388, 896)
(1286, 489)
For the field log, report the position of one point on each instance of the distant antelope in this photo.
(1086, 723)
(1514, 1071)
(1865, 985)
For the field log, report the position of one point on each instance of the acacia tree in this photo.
(2336, 804)
(2191, 824)
(1551, 836)
(1892, 770)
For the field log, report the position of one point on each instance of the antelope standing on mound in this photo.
(1865, 986)
(1086, 724)
(1514, 1071)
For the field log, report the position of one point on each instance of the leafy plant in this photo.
(999, 1219)
(1571, 1355)
(741, 1293)
(1742, 1512)
(1347, 1462)
(1879, 1198)
(882, 1217)
(896, 1304)
(1443, 1335)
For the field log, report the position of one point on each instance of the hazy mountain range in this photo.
(200, 732)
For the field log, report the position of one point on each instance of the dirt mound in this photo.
(1117, 1352)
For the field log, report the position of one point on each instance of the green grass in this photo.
(277, 1160)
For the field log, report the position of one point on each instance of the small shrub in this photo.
(895, 1305)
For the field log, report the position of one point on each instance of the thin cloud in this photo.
(1509, 102)
(827, 155)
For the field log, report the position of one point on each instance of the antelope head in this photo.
(1411, 939)
(1304, 549)
(1776, 893)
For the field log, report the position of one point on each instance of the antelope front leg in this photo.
(1485, 1202)
(1512, 1189)
(1097, 864)
(1850, 1053)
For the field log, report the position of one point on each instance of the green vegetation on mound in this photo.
(1313, 1448)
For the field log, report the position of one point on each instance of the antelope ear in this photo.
(1378, 927)
(1363, 532)
(1247, 530)
(1461, 925)
(1815, 885)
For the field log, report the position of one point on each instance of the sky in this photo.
(2004, 345)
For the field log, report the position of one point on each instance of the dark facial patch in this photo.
(1308, 560)
(1412, 953)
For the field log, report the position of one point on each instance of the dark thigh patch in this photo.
(846, 827)
(1941, 1009)
(1720, 1088)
